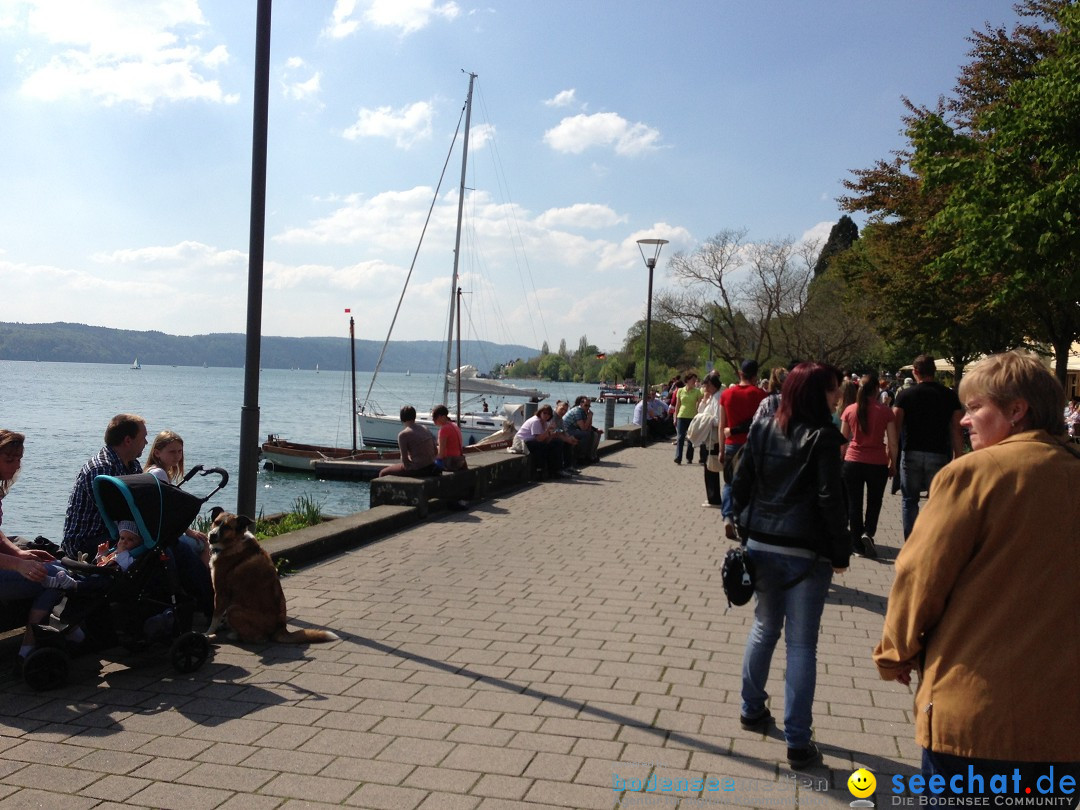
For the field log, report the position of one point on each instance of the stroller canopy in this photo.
(161, 511)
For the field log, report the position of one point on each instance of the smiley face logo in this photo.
(861, 783)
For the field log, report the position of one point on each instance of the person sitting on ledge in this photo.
(417, 447)
(655, 412)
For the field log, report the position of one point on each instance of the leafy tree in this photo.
(841, 237)
(667, 344)
(1010, 171)
(757, 300)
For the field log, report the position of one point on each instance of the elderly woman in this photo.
(986, 600)
(789, 500)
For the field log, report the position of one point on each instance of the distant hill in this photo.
(78, 343)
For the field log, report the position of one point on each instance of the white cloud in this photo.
(818, 233)
(481, 135)
(580, 132)
(562, 99)
(119, 51)
(188, 254)
(300, 89)
(407, 16)
(406, 125)
(581, 215)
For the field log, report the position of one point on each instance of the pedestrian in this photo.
(686, 406)
(984, 604)
(788, 496)
(928, 421)
(739, 402)
(869, 462)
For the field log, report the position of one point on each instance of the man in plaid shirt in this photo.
(125, 440)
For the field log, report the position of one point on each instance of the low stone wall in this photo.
(501, 473)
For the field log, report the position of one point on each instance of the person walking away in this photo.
(788, 496)
(740, 402)
(869, 462)
(928, 420)
(686, 404)
(984, 604)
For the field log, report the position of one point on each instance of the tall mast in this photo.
(457, 241)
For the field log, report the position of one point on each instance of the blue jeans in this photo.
(727, 507)
(680, 438)
(801, 606)
(978, 773)
(14, 586)
(917, 470)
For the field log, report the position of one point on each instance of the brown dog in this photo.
(248, 600)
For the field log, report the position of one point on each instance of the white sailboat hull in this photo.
(379, 430)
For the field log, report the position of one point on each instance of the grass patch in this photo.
(306, 512)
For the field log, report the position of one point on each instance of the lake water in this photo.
(63, 408)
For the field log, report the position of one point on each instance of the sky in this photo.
(126, 134)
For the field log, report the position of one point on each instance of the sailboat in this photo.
(350, 462)
(480, 431)
(136, 366)
(380, 430)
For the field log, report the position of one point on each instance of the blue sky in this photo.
(125, 151)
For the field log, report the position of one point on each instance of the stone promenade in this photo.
(538, 651)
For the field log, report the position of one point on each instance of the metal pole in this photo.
(648, 340)
(352, 366)
(459, 357)
(249, 413)
(457, 238)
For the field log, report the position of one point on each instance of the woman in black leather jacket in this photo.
(790, 504)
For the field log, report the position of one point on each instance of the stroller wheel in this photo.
(45, 668)
(189, 652)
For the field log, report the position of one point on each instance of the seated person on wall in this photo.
(451, 455)
(656, 414)
(567, 441)
(417, 447)
(579, 425)
(538, 434)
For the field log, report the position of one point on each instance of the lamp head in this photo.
(654, 246)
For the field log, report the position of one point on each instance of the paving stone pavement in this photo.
(534, 652)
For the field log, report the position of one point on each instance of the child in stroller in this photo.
(143, 602)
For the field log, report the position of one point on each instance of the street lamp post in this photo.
(654, 245)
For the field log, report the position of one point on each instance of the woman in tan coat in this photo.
(986, 600)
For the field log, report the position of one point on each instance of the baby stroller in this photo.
(145, 603)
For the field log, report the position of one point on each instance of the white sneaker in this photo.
(708, 505)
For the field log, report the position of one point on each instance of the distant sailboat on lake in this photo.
(136, 366)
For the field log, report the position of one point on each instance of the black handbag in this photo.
(737, 572)
(737, 576)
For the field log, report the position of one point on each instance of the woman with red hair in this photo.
(790, 508)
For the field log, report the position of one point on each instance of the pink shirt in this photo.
(869, 447)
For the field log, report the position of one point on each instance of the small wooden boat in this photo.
(279, 454)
